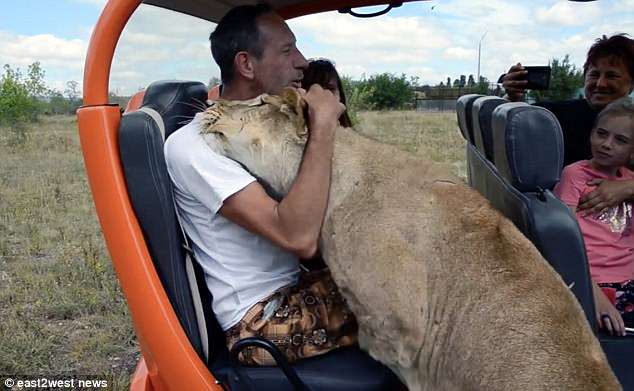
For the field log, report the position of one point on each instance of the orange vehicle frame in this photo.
(168, 360)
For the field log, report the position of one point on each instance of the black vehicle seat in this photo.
(464, 106)
(528, 151)
(141, 136)
(481, 111)
(167, 106)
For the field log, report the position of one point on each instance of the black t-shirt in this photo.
(576, 118)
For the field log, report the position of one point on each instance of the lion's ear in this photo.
(294, 101)
(292, 97)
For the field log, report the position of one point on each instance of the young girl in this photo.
(608, 235)
(323, 72)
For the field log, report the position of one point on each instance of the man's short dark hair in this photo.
(237, 31)
(618, 46)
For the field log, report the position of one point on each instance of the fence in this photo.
(435, 104)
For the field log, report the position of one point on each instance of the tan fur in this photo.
(448, 293)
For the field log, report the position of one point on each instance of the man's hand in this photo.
(324, 110)
(514, 82)
(607, 194)
(608, 317)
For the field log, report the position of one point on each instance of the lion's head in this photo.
(267, 135)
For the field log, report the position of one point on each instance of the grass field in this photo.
(62, 311)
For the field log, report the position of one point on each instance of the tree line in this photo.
(387, 91)
(24, 95)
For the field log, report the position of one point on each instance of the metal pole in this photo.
(479, 52)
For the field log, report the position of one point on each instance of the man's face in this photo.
(607, 80)
(282, 64)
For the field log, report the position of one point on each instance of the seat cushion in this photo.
(619, 351)
(348, 369)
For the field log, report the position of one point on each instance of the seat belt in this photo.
(193, 285)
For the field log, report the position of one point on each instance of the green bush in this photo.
(357, 97)
(384, 91)
(390, 92)
(19, 102)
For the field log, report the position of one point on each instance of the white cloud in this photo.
(432, 44)
(159, 44)
(23, 50)
(460, 53)
(394, 34)
(61, 59)
(488, 13)
(568, 14)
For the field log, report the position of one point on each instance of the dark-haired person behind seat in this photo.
(247, 243)
(323, 72)
(609, 75)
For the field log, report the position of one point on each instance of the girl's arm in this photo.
(608, 317)
(606, 194)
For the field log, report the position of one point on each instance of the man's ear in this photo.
(243, 65)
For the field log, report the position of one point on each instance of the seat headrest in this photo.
(482, 113)
(176, 101)
(463, 109)
(528, 146)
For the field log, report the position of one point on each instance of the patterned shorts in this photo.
(305, 320)
(622, 296)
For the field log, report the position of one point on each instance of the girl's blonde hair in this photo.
(620, 107)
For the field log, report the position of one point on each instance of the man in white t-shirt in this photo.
(247, 243)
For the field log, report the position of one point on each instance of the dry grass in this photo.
(432, 135)
(61, 308)
(62, 311)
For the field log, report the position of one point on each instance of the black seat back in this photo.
(167, 105)
(528, 154)
(481, 113)
(464, 106)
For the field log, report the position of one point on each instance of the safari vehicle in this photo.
(181, 343)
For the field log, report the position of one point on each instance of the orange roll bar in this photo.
(169, 361)
(103, 41)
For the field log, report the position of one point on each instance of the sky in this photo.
(432, 40)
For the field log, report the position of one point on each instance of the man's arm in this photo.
(295, 222)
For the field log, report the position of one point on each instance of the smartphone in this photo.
(538, 77)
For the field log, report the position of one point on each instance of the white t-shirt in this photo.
(241, 268)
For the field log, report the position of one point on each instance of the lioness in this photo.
(447, 292)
